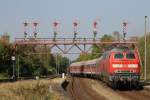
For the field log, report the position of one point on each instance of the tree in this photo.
(38, 60)
(99, 49)
(84, 57)
(5, 59)
(64, 63)
(141, 46)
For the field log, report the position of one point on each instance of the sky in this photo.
(111, 14)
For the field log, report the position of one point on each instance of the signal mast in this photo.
(25, 29)
(95, 23)
(75, 27)
(35, 29)
(55, 26)
(124, 30)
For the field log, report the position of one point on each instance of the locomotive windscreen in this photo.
(130, 55)
(118, 56)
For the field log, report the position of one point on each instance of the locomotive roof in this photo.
(121, 49)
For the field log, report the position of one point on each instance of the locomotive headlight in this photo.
(132, 65)
(117, 65)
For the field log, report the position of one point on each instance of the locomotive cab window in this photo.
(130, 55)
(118, 55)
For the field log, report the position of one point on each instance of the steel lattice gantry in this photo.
(70, 42)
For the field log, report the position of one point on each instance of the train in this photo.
(117, 66)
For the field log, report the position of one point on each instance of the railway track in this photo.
(79, 90)
(90, 89)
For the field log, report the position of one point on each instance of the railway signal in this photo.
(55, 25)
(75, 26)
(25, 29)
(124, 30)
(35, 29)
(95, 23)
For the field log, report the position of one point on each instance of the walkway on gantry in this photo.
(68, 41)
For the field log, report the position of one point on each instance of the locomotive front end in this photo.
(125, 68)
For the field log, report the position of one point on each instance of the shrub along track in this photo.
(81, 89)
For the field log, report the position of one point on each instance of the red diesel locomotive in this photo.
(116, 66)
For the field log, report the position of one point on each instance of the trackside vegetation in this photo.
(30, 61)
(34, 60)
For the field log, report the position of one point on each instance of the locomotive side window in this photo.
(130, 55)
(118, 56)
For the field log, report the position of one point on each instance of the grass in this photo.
(3, 76)
(27, 90)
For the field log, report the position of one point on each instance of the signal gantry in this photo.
(70, 42)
